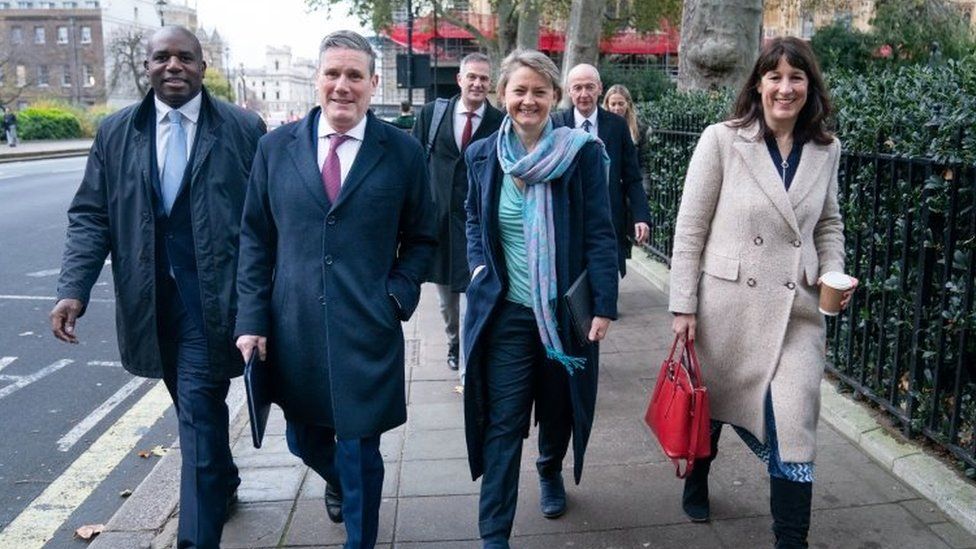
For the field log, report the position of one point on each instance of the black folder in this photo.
(257, 384)
(580, 307)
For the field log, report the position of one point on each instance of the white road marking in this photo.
(5, 361)
(42, 274)
(50, 298)
(41, 519)
(109, 363)
(19, 382)
(74, 435)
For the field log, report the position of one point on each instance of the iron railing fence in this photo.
(908, 340)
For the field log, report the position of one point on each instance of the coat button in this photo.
(791, 285)
(322, 300)
(751, 282)
(758, 241)
(328, 260)
(331, 220)
(797, 243)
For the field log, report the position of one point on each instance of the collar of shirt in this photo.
(579, 118)
(460, 109)
(358, 132)
(190, 109)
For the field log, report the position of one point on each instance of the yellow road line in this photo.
(41, 519)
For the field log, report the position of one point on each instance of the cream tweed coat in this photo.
(747, 257)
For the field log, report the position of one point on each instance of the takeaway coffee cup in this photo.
(832, 288)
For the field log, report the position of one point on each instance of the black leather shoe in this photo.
(452, 363)
(552, 495)
(333, 503)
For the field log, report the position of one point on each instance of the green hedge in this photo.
(48, 123)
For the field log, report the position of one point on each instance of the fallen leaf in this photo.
(158, 451)
(459, 389)
(89, 531)
(144, 453)
(125, 493)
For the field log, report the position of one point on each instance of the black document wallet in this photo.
(580, 308)
(257, 384)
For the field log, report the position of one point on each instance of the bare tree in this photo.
(719, 42)
(12, 84)
(126, 52)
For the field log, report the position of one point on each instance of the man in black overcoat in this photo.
(163, 193)
(457, 123)
(336, 239)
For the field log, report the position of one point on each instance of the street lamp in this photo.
(160, 7)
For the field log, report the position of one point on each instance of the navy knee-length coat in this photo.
(584, 241)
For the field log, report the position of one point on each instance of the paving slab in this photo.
(311, 526)
(256, 525)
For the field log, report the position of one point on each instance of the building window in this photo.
(135, 13)
(66, 76)
(62, 35)
(21, 76)
(4, 5)
(42, 80)
(262, 96)
(25, 5)
(91, 4)
(277, 95)
(808, 28)
(38, 35)
(16, 35)
(276, 65)
(86, 35)
(87, 76)
(70, 5)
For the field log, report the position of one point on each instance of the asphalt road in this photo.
(57, 470)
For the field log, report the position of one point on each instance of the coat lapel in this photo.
(445, 132)
(486, 127)
(304, 154)
(368, 156)
(813, 160)
(210, 123)
(144, 124)
(755, 156)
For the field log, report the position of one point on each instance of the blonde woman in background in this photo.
(619, 101)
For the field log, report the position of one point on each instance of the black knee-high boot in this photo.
(694, 500)
(789, 503)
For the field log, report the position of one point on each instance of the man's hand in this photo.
(684, 327)
(247, 343)
(598, 329)
(63, 317)
(642, 232)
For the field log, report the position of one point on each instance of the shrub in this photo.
(48, 123)
(645, 83)
(840, 47)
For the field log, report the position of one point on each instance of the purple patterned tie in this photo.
(331, 170)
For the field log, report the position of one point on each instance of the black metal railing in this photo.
(908, 340)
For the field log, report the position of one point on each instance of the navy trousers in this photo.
(355, 465)
(512, 365)
(208, 474)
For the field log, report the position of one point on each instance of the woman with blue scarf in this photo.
(538, 218)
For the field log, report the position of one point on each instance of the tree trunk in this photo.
(507, 26)
(528, 24)
(720, 41)
(583, 34)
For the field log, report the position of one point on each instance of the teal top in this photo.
(511, 225)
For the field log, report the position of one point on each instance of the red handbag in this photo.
(678, 412)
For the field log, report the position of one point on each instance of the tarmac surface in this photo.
(629, 496)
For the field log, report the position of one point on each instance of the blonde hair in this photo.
(630, 116)
(535, 60)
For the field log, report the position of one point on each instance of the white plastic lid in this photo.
(837, 281)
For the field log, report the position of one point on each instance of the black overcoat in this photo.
(112, 213)
(584, 241)
(449, 188)
(328, 284)
(628, 203)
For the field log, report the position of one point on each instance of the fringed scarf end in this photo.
(571, 363)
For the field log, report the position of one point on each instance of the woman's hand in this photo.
(598, 328)
(847, 295)
(247, 343)
(683, 326)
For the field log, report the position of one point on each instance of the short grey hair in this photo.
(348, 40)
(535, 60)
(476, 57)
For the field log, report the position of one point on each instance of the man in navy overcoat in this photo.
(336, 239)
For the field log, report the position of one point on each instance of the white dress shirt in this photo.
(191, 115)
(579, 118)
(346, 152)
(460, 119)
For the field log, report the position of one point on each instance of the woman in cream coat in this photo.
(758, 225)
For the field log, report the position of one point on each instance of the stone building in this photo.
(283, 90)
(791, 18)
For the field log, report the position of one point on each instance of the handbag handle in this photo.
(695, 366)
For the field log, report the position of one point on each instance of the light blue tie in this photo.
(175, 163)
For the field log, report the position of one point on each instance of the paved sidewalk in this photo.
(629, 497)
(29, 150)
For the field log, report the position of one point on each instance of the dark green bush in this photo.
(48, 123)
(644, 83)
(840, 47)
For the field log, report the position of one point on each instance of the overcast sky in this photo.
(251, 25)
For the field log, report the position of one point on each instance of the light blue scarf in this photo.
(552, 156)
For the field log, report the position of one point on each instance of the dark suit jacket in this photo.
(449, 188)
(317, 278)
(113, 212)
(584, 241)
(628, 203)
